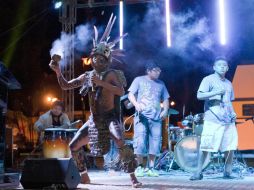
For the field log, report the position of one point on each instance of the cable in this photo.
(127, 120)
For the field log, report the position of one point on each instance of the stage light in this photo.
(121, 23)
(172, 103)
(49, 99)
(86, 61)
(167, 7)
(222, 22)
(58, 4)
(54, 99)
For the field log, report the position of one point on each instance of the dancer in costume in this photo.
(104, 87)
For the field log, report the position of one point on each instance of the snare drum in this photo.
(186, 154)
(70, 133)
(54, 143)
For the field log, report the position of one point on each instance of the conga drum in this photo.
(70, 133)
(54, 143)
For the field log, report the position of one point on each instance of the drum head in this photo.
(53, 129)
(186, 154)
(71, 130)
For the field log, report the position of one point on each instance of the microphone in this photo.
(93, 85)
(97, 89)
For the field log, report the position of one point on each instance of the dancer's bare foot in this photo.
(84, 178)
(135, 182)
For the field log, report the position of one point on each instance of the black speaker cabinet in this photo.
(51, 172)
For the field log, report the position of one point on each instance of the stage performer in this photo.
(219, 130)
(146, 93)
(104, 87)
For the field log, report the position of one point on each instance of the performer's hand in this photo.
(96, 80)
(55, 66)
(163, 114)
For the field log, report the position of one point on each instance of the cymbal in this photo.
(172, 111)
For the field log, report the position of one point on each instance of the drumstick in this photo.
(73, 125)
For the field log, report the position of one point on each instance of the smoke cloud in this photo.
(192, 41)
(81, 38)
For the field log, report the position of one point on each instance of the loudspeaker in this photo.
(50, 172)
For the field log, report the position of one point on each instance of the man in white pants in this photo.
(219, 131)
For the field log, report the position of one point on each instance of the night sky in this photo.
(28, 29)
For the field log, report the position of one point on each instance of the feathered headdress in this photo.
(104, 47)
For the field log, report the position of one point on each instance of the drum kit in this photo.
(183, 142)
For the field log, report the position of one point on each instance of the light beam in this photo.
(121, 23)
(222, 22)
(167, 7)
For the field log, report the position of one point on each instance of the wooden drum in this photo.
(55, 143)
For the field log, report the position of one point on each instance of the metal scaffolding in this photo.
(68, 18)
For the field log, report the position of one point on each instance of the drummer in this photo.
(54, 118)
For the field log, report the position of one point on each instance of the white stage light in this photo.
(121, 23)
(167, 6)
(222, 22)
(58, 4)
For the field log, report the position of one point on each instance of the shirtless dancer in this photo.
(104, 87)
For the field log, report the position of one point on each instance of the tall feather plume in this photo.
(117, 60)
(108, 33)
(108, 28)
(95, 36)
(117, 52)
(112, 44)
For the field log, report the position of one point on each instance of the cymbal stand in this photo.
(239, 165)
(217, 164)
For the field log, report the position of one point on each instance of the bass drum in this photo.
(186, 154)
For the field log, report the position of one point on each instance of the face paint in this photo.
(100, 63)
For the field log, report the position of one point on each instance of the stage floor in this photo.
(173, 180)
